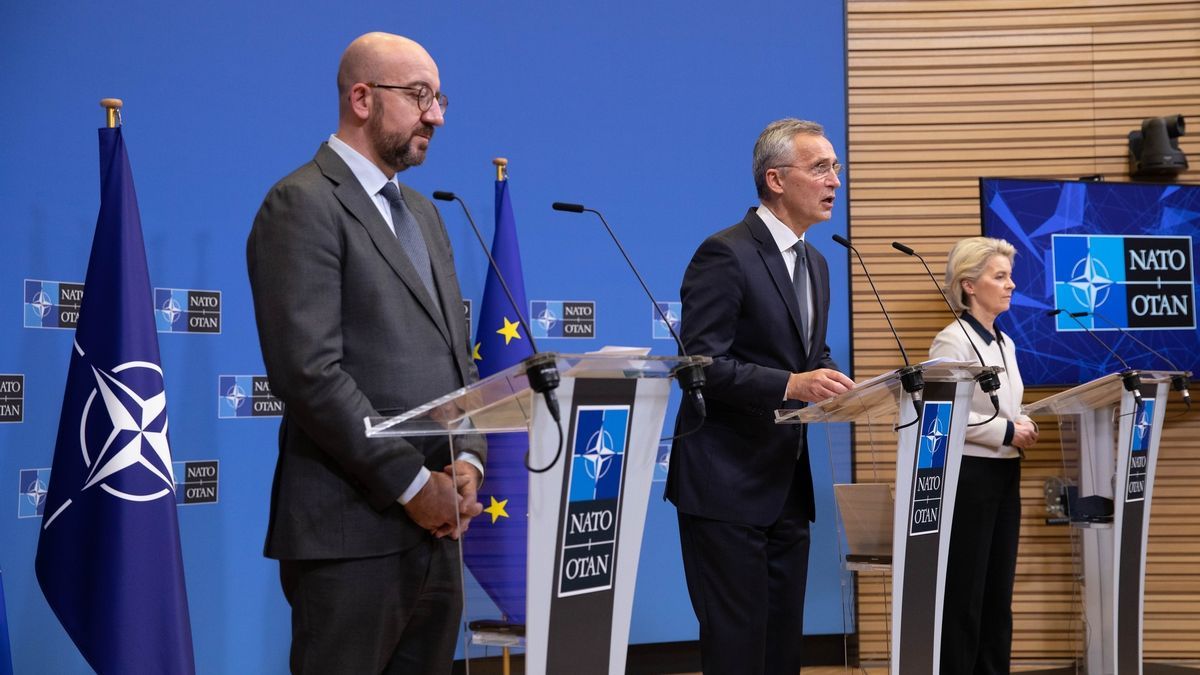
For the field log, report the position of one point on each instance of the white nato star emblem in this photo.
(138, 424)
(235, 396)
(1142, 428)
(935, 437)
(35, 492)
(672, 318)
(41, 303)
(171, 310)
(1089, 282)
(546, 319)
(599, 454)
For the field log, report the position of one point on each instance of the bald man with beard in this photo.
(360, 314)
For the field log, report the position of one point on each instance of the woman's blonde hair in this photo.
(966, 262)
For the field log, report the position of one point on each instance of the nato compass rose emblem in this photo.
(123, 435)
(1090, 281)
(42, 304)
(235, 396)
(598, 454)
(671, 316)
(35, 492)
(1141, 430)
(171, 310)
(934, 437)
(546, 319)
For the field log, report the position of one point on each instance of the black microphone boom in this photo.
(541, 368)
(690, 376)
(911, 377)
(988, 381)
(1129, 376)
(1179, 381)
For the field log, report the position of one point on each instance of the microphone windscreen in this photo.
(902, 248)
(566, 206)
(841, 240)
(443, 196)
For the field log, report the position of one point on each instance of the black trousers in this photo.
(977, 608)
(397, 613)
(747, 588)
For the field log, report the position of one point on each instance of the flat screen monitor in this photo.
(1125, 253)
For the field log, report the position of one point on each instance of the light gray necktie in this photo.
(409, 234)
(800, 284)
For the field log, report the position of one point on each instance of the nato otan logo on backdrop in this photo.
(181, 310)
(52, 304)
(199, 484)
(12, 398)
(467, 315)
(673, 311)
(592, 514)
(246, 396)
(31, 492)
(563, 318)
(929, 478)
(1135, 282)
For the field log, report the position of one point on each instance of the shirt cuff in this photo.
(415, 486)
(472, 459)
(1009, 432)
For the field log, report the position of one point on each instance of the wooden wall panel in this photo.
(942, 92)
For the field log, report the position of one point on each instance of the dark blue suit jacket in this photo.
(739, 308)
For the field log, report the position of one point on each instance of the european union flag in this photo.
(108, 558)
(494, 549)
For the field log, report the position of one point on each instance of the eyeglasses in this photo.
(818, 170)
(424, 95)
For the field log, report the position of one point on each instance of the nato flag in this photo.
(494, 549)
(108, 558)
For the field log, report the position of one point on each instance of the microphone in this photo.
(541, 368)
(690, 376)
(1179, 381)
(988, 381)
(1129, 376)
(911, 377)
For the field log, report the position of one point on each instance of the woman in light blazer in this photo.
(977, 608)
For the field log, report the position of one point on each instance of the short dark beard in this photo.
(395, 149)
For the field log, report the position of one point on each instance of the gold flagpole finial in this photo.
(113, 107)
(501, 168)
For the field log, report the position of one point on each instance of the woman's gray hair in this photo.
(774, 147)
(966, 262)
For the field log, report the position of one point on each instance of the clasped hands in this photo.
(448, 501)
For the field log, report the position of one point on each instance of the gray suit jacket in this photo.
(348, 330)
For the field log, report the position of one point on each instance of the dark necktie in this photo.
(409, 234)
(800, 284)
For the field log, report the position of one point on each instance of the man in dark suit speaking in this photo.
(359, 313)
(756, 299)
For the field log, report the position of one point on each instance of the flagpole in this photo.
(113, 107)
(505, 654)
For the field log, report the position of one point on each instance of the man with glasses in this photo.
(756, 299)
(359, 314)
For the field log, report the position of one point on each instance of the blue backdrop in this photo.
(647, 111)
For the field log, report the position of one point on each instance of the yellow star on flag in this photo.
(509, 331)
(475, 352)
(497, 509)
